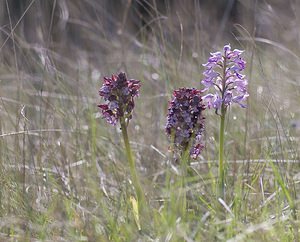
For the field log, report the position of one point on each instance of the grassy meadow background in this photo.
(63, 170)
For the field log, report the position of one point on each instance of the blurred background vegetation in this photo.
(63, 173)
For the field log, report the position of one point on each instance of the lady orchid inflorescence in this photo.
(118, 92)
(185, 121)
(223, 72)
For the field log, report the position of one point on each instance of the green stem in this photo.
(221, 182)
(184, 169)
(133, 173)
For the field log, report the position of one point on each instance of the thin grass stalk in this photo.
(285, 191)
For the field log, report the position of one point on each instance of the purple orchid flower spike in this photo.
(118, 92)
(185, 121)
(223, 72)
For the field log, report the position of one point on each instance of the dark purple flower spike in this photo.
(185, 121)
(118, 92)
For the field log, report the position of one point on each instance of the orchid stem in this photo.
(184, 170)
(221, 182)
(134, 176)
